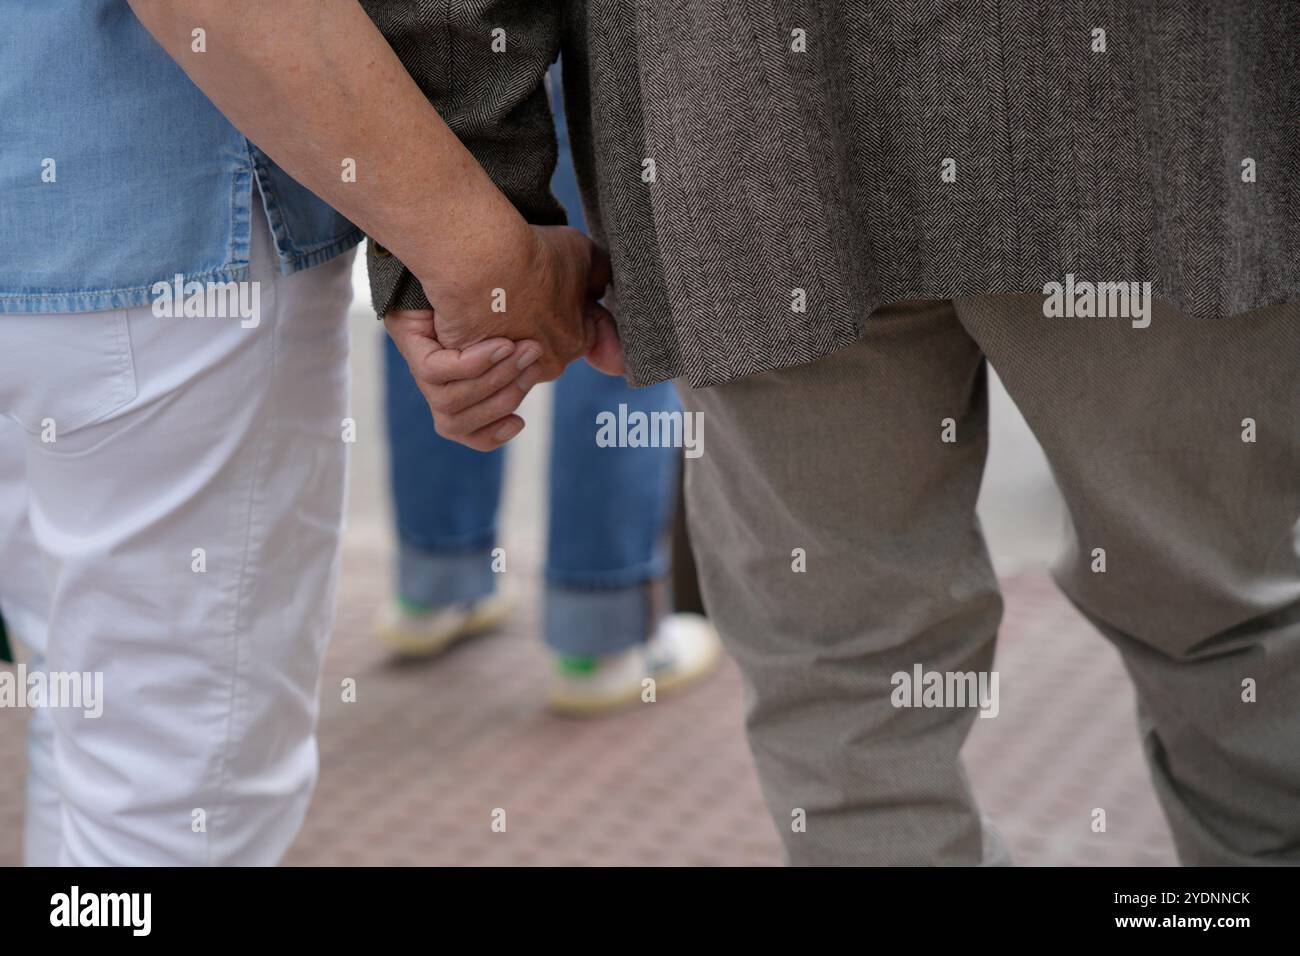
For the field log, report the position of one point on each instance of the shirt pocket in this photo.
(61, 373)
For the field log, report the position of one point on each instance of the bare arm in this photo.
(313, 82)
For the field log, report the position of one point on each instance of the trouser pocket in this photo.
(59, 373)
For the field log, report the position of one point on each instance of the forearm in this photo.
(313, 83)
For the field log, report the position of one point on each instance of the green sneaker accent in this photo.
(575, 665)
(413, 607)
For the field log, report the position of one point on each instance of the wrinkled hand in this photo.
(474, 365)
(547, 293)
(474, 392)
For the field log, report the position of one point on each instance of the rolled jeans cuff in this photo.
(437, 580)
(592, 623)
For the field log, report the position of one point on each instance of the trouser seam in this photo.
(237, 655)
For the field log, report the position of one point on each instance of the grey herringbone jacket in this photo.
(849, 153)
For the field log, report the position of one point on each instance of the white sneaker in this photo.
(684, 648)
(423, 634)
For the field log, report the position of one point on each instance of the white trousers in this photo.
(180, 535)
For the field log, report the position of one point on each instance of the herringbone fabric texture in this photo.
(778, 170)
(495, 103)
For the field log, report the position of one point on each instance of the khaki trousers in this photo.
(845, 458)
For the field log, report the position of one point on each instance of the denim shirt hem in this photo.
(105, 300)
(309, 258)
(293, 254)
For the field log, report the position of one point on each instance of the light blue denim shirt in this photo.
(116, 172)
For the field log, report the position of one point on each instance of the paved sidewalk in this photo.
(413, 771)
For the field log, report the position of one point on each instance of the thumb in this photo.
(600, 274)
(412, 331)
(606, 355)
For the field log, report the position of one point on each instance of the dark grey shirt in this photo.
(845, 154)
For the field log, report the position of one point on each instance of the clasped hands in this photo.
(489, 340)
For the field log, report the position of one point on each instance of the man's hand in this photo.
(310, 97)
(541, 285)
(473, 393)
(314, 83)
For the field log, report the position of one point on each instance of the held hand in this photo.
(472, 393)
(545, 291)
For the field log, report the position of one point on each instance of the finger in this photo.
(409, 318)
(600, 274)
(494, 435)
(606, 355)
(484, 413)
(440, 366)
(592, 312)
(455, 397)
(412, 331)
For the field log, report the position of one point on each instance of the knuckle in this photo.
(440, 402)
(502, 407)
(430, 373)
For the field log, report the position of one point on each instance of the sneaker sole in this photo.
(598, 706)
(412, 644)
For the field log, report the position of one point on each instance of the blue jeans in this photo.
(608, 506)
(608, 510)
